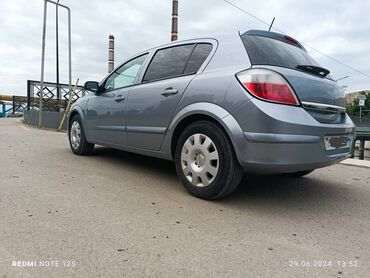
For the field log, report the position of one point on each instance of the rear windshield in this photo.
(269, 51)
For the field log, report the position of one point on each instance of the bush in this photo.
(353, 109)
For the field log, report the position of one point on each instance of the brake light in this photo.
(268, 85)
(291, 40)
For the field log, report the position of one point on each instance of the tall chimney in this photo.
(111, 54)
(175, 16)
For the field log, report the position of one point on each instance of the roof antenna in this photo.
(272, 22)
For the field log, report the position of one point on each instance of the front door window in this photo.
(125, 75)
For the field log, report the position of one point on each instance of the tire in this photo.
(201, 148)
(300, 174)
(75, 132)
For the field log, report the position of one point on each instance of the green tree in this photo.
(353, 109)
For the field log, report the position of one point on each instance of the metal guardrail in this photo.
(365, 121)
(362, 135)
(54, 98)
(3, 109)
(11, 105)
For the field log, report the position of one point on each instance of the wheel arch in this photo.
(208, 112)
(186, 122)
(76, 110)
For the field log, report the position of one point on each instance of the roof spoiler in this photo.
(276, 36)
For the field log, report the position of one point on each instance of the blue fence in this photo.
(5, 109)
(55, 98)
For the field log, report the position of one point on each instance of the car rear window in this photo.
(168, 62)
(269, 51)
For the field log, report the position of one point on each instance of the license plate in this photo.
(336, 142)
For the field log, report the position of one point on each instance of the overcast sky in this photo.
(338, 28)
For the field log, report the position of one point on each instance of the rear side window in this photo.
(168, 62)
(199, 55)
(269, 51)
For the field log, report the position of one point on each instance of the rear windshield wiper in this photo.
(314, 70)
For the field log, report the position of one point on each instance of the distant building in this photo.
(350, 97)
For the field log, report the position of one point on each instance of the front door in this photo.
(106, 109)
(105, 117)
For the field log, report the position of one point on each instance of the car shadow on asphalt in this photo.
(163, 167)
(311, 191)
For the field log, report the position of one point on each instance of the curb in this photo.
(356, 162)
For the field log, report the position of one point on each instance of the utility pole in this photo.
(111, 54)
(175, 16)
(42, 64)
(57, 48)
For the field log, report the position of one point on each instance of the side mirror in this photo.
(92, 86)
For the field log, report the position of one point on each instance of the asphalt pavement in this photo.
(116, 214)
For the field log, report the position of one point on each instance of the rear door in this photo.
(152, 103)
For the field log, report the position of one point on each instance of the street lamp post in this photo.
(43, 54)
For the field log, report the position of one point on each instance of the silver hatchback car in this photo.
(254, 102)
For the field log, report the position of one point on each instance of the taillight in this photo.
(268, 85)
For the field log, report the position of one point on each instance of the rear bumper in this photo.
(286, 153)
(285, 139)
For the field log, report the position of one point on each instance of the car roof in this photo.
(216, 36)
(222, 42)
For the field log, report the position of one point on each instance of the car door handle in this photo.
(119, 98)
(169, 92)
